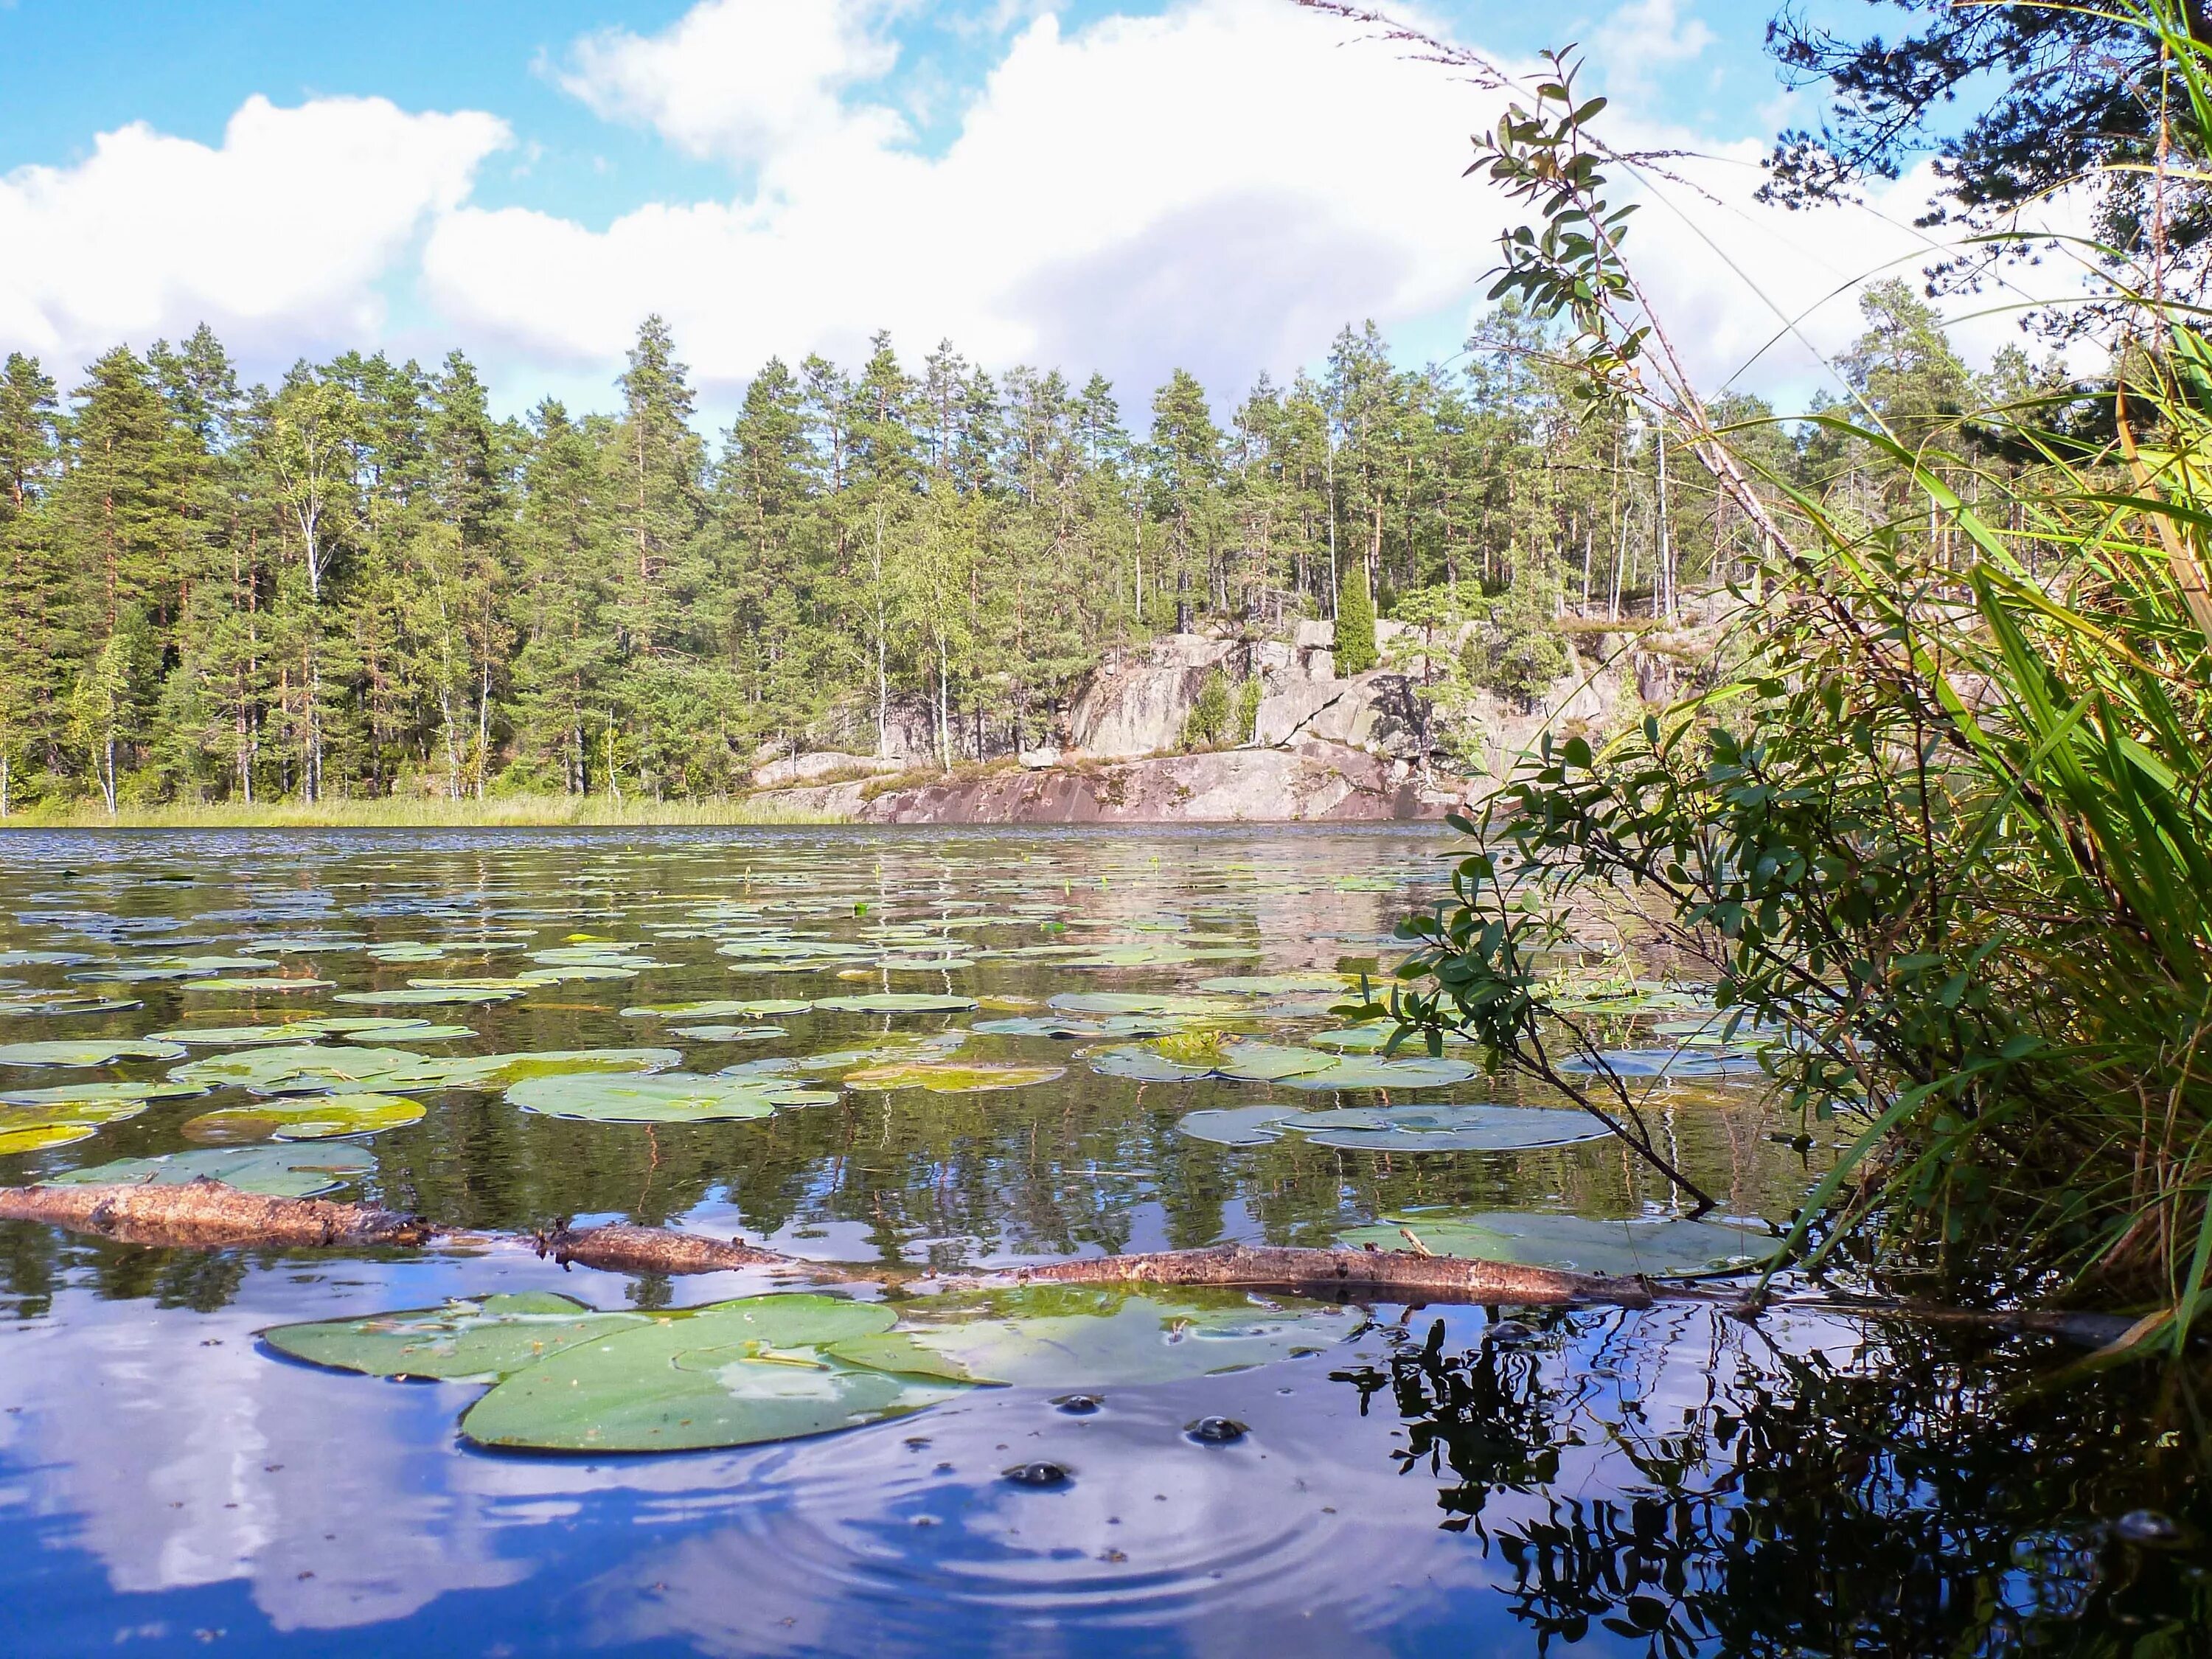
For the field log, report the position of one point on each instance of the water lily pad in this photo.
(500, 1071)
(263, 983)
(730, 1033)
(37, 1137)
(942, 1078)
(1398, 1128)
(431, 996)
(1055, 1026)
(1447, 1128)
(1093, 1336)
(278, 1172)
(1684, 1062)
(1188, 1056)
(1142, 1065)
(532, 978)
(1578, 1243)
(310, 1069)
(238, 1036)
(1279, 984)
(1237, 1126)
(39, 1003)
(92, 1051)
(1133, 1002)
(895, 1002)
(87, 1095)
(463, 1341)
(722, 1009)
(731, 1374)
(1162, 954)
(1373, 1039)
(668, 1097)
(309, 1120)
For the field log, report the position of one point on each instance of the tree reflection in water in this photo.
(1682, 1481)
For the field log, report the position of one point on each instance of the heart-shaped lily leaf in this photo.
(462, 1341)
(277, 1171)
(668, 1097)
(92, 1051)
(302, 1120)
(731, 1374)
(1663, 1245)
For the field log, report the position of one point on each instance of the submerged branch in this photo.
(204, 1214)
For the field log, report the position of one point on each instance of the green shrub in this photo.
(1355, 651)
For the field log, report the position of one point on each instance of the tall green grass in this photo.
(436, 811)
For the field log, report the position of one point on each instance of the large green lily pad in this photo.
(1092, 1336)
(308, 1068)
(463, 1341)
(732, 1374)
(1164, 953)
(1687, 1062)
(722, 1008)
(432, 996)
(37, 1137)
(88, 1096)
(1374, 1039)
(39, 1003)
(503, 1070)
(90, 1051)
(895, 1002)
(1666, 1246)
(949, 1078)
(1063, 1026)
(668, 1097)
(1136, 1002)
(1398, 1128)
(1189, 1056)
(258, 983)
(277, 1171)
(1279, 984)
(1447, 1128)
(308, 1120)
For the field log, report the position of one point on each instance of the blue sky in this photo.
(1121, 186)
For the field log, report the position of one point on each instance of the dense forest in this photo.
(359, 583)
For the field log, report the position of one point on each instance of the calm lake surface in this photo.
(1672, 1481)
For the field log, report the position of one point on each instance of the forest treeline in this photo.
(359, 583)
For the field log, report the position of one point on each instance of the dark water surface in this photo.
(1672, 1481)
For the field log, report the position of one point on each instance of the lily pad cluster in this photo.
(277, 1171)
(1190, 1057)
(322, 1118)
(313, 1069)
(1482, 1128)
(665, 1098)
(1671, 1246)
(32, 1120)
(565, 1377)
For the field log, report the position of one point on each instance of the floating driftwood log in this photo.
(205, 1213)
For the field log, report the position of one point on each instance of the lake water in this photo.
(1457, 1480)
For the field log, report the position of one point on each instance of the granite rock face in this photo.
(1140, 708)
(1308, 782)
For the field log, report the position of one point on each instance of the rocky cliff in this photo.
(1309, 781)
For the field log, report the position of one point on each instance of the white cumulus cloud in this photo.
(740, 79)
(1221, 186)
(278, 237)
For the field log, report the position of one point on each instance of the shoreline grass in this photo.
(422, 812)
